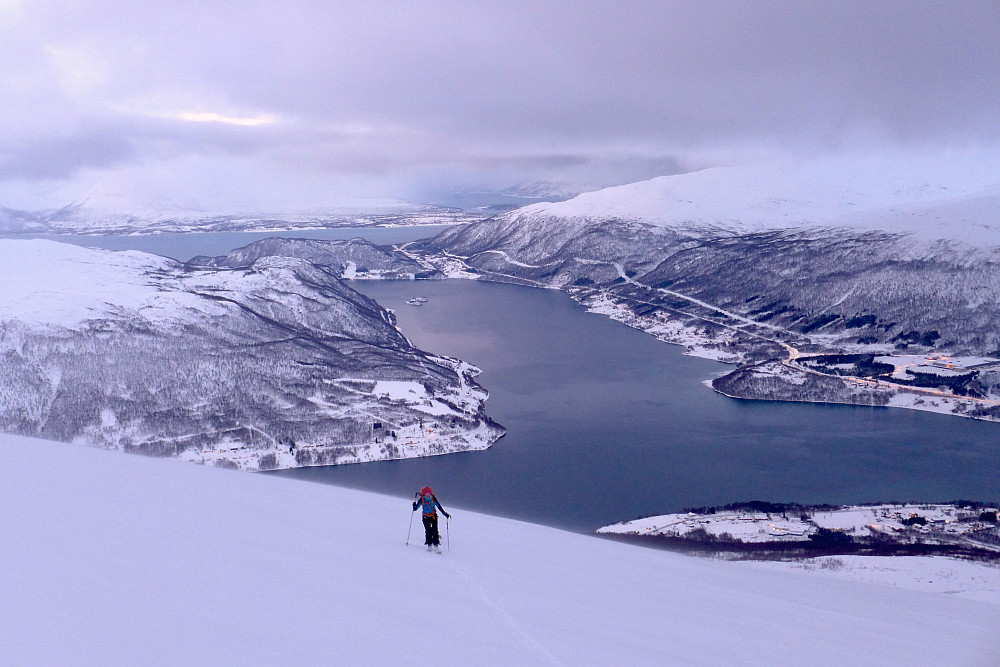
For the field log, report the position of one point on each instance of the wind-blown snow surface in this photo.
(112, 559)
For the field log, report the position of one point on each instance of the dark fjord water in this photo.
(605, 423)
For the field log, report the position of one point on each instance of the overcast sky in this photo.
(298, 103)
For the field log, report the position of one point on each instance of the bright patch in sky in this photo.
(212, 117)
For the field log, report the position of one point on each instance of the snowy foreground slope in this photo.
(113, 559)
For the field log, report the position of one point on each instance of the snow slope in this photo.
(954, 196)
(56, 284)
(112, 559)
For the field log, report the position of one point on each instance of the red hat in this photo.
(424, 491)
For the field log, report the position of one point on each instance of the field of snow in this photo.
(115, 559)
(59, 284)
(942, 365)
(932, 574)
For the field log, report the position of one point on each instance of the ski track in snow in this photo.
(839, 301)
(507, 258)
(518, 631)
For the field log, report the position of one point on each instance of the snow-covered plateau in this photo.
(274, 364)
(117, 560)
(775, 263)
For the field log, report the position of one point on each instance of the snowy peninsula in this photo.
(114, 559)
(781, 531)
(275, 363)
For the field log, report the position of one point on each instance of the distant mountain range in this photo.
(115, 213)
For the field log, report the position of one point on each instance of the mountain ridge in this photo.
(833, 191)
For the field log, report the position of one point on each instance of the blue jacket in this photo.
(429, 502)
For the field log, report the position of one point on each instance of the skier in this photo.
(426, 499)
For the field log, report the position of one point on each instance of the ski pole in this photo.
(410, 528)
(447, 526)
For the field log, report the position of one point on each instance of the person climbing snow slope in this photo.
(426, 500)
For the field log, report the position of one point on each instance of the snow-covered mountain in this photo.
(274, 364)
(955, 197)
(121, 560)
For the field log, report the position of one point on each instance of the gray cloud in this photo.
(404, 94)
(53, 156)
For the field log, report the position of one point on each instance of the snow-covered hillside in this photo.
(954, 196)
(353, 259)
(274, 364)
(121, 560)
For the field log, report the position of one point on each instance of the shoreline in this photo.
(676, 333)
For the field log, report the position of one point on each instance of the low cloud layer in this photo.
(408, 99)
